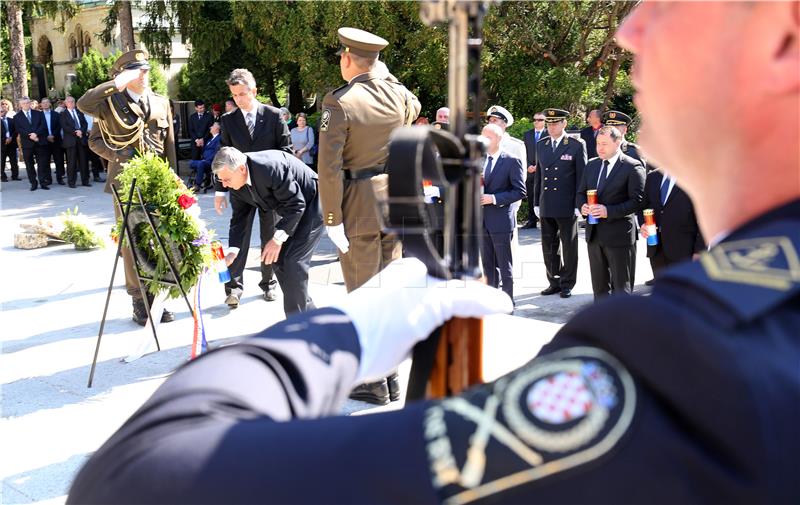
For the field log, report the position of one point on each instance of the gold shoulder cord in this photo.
(123, 140)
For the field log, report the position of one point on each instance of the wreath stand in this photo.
(128, 231)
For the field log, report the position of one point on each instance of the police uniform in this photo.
(617, 118)
(558, 176)
(688, 395)
(354, 130)
(125, 127)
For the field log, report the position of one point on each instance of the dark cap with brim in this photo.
(360, 42)
(131, 60)
(616, 118)
(555, 115)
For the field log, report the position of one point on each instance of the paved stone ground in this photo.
(52, 302)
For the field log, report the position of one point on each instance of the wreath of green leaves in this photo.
(182, 234)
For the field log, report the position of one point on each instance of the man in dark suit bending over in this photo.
(619, 182)
(276, 181)
(251, 127)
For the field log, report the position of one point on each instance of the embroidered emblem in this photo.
(492, 109)
(566, 141)
(769, 262)
(566, 156)
(561, 411)
(325, 120)
(551, 113)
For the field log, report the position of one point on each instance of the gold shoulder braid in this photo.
(118, 142)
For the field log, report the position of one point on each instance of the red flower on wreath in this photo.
(186, 201)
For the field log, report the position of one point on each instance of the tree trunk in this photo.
(125, 19)
(612, 77)
(296, 102)
(19, 73)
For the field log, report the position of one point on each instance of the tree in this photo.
(18, 65)
(94, 69)
(119, 13)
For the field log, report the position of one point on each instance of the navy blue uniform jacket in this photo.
(507, 185)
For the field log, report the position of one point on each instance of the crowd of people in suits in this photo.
(43, 135)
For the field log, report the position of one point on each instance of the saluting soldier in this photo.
(560, 160)
(130, 118)
(620, 121)
(354, 130)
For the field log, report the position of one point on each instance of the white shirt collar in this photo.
(559, 139)
(613, 160)
(253, 109)
(134, 96)
(248, 182)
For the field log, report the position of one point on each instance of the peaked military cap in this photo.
(615, 117)
(130, 60)
(555, 115)
(502, 113)
(360, 42)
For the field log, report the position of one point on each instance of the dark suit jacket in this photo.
(270, 132)
(622, 195)
(12, 130)
(210, 149)
(69, 126)
(200, 128)
(530, 145)
(284, 184)
(558, 176)
(679, 236)
(35, 125)
(507, 184)
(55, 125)
(588, 136)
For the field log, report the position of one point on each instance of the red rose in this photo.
(186, 201)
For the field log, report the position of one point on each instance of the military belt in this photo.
(367, 173)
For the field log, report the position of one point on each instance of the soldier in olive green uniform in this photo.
(354, 130)
(130, 118)
(357, 120)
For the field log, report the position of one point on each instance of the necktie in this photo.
(488, 169)
(664, 189)
(251, 124)
(555, 145)
(143, 106)
(28, 114)
(75, 118)
(537, 135)
(603, 174)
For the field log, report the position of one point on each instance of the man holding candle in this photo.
(619, 184)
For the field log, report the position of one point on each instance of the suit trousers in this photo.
(611, 268)
(9, 153)
(561, 231)
(660, 261)
(77, 162)
(368, 255)
(292, 268)
(35, 164)
(497, 261)
(532, 219)
(266, 221)
(56, 153)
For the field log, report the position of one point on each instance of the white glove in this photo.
(405, 306)
(536, 211)
(337, 236)
(578, 213)
(126, 77)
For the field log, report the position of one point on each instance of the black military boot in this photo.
(140, 311)
(166, 316)
(376, 393)
(393, 381)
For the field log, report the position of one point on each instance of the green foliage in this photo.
(520, 126)
(76, 232)
(93, 69)
(161, 190)
(158, 83)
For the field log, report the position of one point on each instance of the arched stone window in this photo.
(73, 47)
(87, 42)
(79, 39)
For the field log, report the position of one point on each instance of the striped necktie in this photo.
(251, 124)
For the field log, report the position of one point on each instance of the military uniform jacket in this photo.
(685, 396)
(118, 112)
(354, 130)
(558, 176)
(634, 151)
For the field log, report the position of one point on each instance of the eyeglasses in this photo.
(538, 120)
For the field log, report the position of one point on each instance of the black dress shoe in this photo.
(16, 179)
(4, 179)
(86, 184)
(34, 187)
(376, 393)
(551, 291)
(72, 185)
(270, 295)
(566, 293)
(167, 316)
(45, 186)
(650, 282)
(393, 381)
(60, 181)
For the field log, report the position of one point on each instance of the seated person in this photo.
(202, 166)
